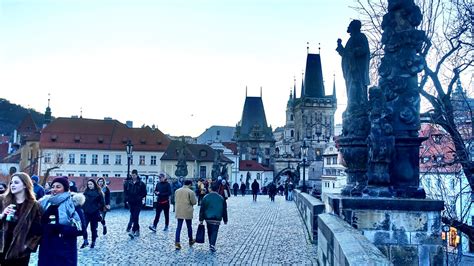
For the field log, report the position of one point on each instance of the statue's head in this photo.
(354, 26)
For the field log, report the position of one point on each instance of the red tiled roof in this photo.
(27, 125)
(80, 133)
(231, 146)
(250, 165)
(3, 150)
(437, 153)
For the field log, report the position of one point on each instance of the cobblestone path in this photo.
(258, 233)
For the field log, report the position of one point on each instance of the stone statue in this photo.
(181, 166)
(216, 166)
(355, 64)
(355, 122)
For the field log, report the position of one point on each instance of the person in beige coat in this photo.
(185, 198)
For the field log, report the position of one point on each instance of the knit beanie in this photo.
(63, 181)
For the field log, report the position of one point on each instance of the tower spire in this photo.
(245, 91)
(307, 47)
(294, 87)
(260, 91)
(47, 113)
(319, 48)
(334, 86)
(302, 84)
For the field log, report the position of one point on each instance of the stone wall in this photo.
(341, 244)
(309, 208)
(407, 231)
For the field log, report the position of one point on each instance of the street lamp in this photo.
(445, 229)
(304, 153)
(129, 149)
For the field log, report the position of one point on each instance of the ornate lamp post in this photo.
(304, 153)
(129, 149)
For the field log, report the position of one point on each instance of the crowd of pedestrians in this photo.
(57, 214)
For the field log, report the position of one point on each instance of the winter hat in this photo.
(35, 178)
(63, 181)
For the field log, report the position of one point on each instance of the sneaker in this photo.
(131, 235)
(127, 230)
(166, 228)
(104, 230)
(85, 244)
(191, 242)
(177, 245)
(152, 228)
(93, 244)
(212, 248)
(137, 233)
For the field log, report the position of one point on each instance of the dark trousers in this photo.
(91, 218)
(200, 196)
(254, 196)
(15, 262)
(165, 207)
(133, 223)
(235, 192)
(212, 230)
(272, 197)
(188, 226)
(243, 192)
(103, 218)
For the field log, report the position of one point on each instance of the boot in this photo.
(191, 242)
(104, 230)
(177, 245)
(166, 228)
(93, 244)
(85, 244)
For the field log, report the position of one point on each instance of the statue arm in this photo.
(340, 48)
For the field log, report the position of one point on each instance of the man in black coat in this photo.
(243, 188)
(163, 191)
(235, 188)
(255, 189)
(135, 191)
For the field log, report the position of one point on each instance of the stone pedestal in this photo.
(407, 231)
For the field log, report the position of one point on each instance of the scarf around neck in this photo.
(66, 209)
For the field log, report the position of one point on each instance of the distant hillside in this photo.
(12, 114)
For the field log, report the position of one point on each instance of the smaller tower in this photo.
(47, 113)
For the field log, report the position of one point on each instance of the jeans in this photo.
(92, 219)
(134, 217)
(212, 230)
(165, 207)
(180, 225)
(290, 195)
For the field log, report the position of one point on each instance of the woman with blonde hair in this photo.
(20, 221)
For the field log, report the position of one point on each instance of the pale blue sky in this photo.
(182, 65)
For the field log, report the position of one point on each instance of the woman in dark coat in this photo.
(61, 226)
(243, 188)
(92, 208)
(105, 189)
(20, 221)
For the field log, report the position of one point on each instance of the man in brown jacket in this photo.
(185, 198)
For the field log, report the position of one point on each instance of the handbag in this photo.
(200, 233)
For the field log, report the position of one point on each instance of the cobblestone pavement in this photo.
(261, 233)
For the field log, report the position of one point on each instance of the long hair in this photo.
(96, 187)
(103, 179)
(26, 180)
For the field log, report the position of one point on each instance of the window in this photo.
(253, 151)
(105, 175)
(291, 119)
(334, 160)
(258, 176)
(105, 159)
(82, 175)
(153, 160)
(202, 171)
(117, 175)
(328, 161)
(59, 158)
(93, 175)
(118, 159)
(292, 133)
(72, 158)
(83, 158)
(47, 158)
(141, 160)
(94, 158)
(70, 174)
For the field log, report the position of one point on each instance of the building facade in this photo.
(91, 147)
